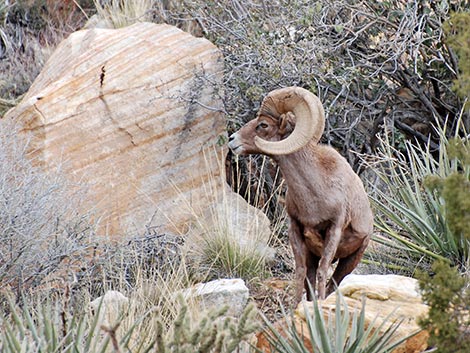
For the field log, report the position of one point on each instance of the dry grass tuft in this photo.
(122, 13)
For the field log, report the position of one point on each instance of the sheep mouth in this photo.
(234, 148)
(237, 149)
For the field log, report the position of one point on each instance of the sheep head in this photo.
(288, 119)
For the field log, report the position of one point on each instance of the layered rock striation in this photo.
(135, 114)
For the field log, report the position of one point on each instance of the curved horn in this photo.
(309, 114)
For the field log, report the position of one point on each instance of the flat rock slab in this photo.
(386, 296)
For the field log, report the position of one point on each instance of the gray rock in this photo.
(218, 293)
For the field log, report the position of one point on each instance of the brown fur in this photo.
(329, 211)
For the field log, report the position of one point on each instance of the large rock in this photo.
(392, 296)
(135, 113)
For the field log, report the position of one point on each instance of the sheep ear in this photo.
(287, 123)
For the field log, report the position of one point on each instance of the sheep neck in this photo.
(296, 168)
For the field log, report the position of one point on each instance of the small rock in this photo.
(220, 292)
(113, 305)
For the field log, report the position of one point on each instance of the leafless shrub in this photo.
(41, 231)
(29, 31)
(373, 64)
(123, 264)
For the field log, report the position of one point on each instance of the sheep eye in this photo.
(262, 126)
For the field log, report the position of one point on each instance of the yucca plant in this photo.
(411, 217)
(341, 333)
(49, 328)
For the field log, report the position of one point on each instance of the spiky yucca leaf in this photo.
(47, 328)
(44, 329)
(413, 217)
(341, 333)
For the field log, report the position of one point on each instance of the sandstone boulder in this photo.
(392, 296)
(136, 114)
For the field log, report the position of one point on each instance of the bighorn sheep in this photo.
(329, 211)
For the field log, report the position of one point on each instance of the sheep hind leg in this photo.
(311, 280)
(301, 254)
(345, 266)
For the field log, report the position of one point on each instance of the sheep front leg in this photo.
(312, 266)
(330, 247)
(346, 266)
(300, 251)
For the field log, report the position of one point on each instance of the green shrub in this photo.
(455, 191)
(447, 293)
(457, 30)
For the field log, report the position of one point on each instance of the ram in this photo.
(329, 211)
